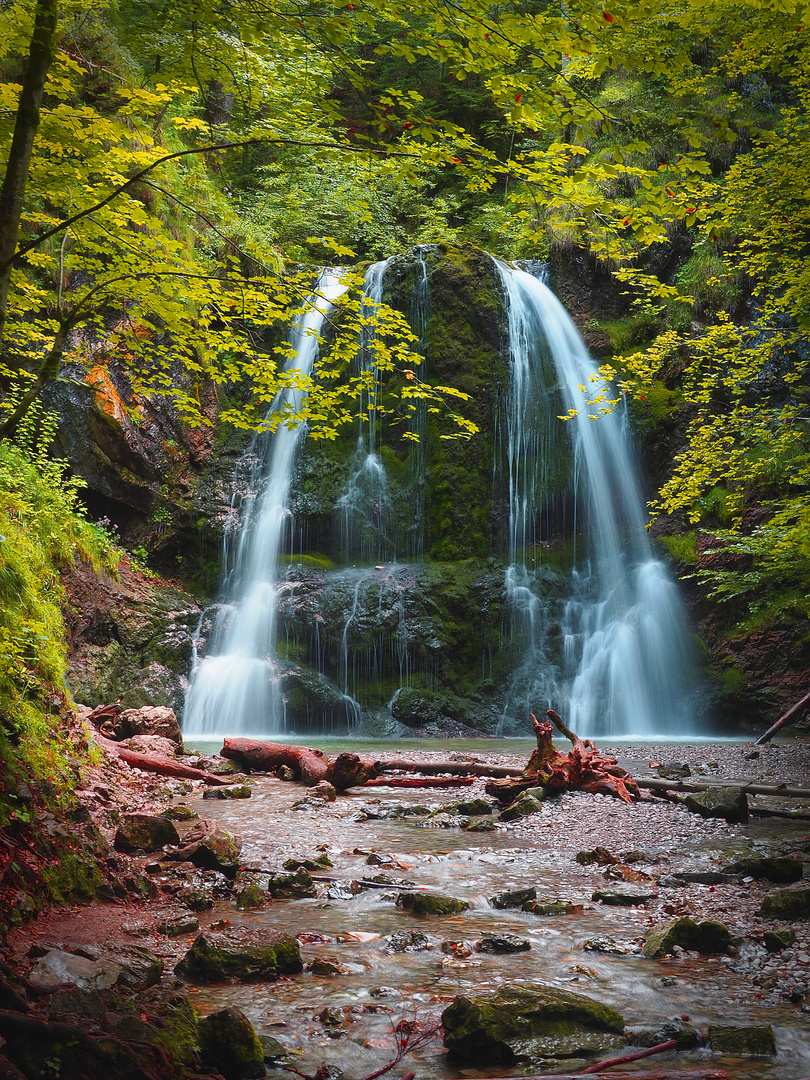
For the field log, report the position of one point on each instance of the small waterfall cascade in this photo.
(235, 689)
(364, 503)
(602, 638)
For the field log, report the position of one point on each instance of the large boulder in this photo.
(209, 846)
(144, 832)
(729, 803)
(155, 745)
(229, 1045)
(781, 869)
(58, 967)
(150, 720)
(704, 937)
(787, 904)
(529, 1023)
(213, 959)
(749, 1041)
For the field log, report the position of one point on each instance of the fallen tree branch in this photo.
(419, 782)
(254, 755)
(161, 765)
(661, 1048)
(784, 719)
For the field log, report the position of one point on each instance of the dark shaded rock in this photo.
(780, 869)
(180, 813)
(232, 791)
(687, 1038)
(528, 1023)
(417, 903)
(777, 940)
(723, 802)
(599, 856)
(215, 959)
(322, 965)
(786, 904)
(696, 877)
(606, 945)
(324, 790)
(91, 1004)
(322, 862)
(626, 897)
(513, 899)
(274, 1051)
(704, 937)
(674, 770)
(295, 886)
(251, 898)
(523, 806)
(407, 941)
(144, 832)
(480, 824)
(178, 925)
(229, 1044)
(502, 944)
(552, 907)
(208, 846)
(195, 899)
(753, 1041)
(140, 968)
(470, 808)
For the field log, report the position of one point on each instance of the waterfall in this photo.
(235, 688)
(605, 640)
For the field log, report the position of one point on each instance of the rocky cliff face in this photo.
(393, 593)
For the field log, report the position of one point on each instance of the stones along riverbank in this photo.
(279, 925)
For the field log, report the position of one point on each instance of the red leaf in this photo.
(608, 16)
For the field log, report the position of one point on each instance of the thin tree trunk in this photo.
(791, 714)
(40, 55)
(48, 371)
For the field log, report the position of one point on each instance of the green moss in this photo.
(681, 547)
(431, 904)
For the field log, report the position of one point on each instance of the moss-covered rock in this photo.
(723, 802)
(144, 832)
(787, 904)
(251, 898)
(749, 1041)
(523, 806)
(295, 886)
(417, 903)
(229, 1044)
(210, 847)
(514, 899)
(781, 869)
(528, 1023)
(777, 940)
(551, 907)
(704, 937)
(230, 791)
(214, 959)
(470, 808)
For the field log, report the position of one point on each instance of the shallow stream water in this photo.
(381, 987)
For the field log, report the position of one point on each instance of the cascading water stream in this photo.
(234, 689)
(616, 658)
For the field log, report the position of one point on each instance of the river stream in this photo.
(381, 987)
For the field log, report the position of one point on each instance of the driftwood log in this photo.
(154, 763)
(583, 768)
(792, 713)
(348, 770)
(252, 755)
(420, 781)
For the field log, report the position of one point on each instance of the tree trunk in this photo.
(348, 770)
(49, 370)
(40, 55)
(791, 714)
(161, 765)
(253, 755)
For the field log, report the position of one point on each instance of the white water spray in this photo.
(617, 661)
(235, 689)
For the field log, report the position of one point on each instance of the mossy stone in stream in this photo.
(729, 803)
(431, 904)
(212, 959)
(481, 824)
(516, 898)
(251, 898)
(295, 886)
(470, 808)
(751, 1041)
(322, 862)
(780, 869)
(552, 907)
(523, 806)
(786, 904)
(777, 940)
(229, 1044)
(529, 1023)
(704, 937)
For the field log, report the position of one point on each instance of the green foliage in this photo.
(40, 530)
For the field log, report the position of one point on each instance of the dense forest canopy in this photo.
(174, 171)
